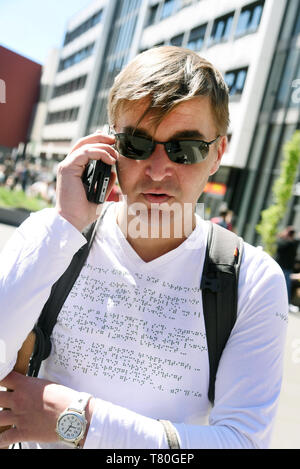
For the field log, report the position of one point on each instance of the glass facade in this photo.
(248, 21)
(67, 115)
(83, 28)
(70, 86)
(297, 25)
(168, 8)
(249, 18)
(235, 80)
(77, 57)
(152, 14)
(116, 56)
(221, 28)
(276, 125)
(177, 40)
(290, 71)
(196, 37)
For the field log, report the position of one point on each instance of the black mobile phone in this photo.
(95, 180)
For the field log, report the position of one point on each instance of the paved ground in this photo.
(287, 429)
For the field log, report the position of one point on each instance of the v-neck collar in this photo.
(196, 240)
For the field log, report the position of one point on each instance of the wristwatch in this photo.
(71, 424)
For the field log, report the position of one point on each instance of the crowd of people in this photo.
(31, 176)
(35, 178)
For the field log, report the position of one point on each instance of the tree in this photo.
(282, 193)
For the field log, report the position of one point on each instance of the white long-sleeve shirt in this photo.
(132, 334)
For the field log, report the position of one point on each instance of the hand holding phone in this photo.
(95, 180)
(82, 183)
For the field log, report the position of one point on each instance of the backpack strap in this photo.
(59, 292)
(219, 285)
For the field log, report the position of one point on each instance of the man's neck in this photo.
(151, 237)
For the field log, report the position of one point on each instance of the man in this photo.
(131, 333)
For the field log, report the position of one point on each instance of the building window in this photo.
(152, 14)
(221, 28)
(167, 9)
(67, 115)
(76, 58)
(196, 38)
(70, 86)
(235, 80)
(82, 28)
(44, 93)
(249, 18)
(177, 40)
(116, 55)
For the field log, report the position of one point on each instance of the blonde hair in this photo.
(168, 76)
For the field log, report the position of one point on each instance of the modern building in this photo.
(278, 118)
(239, 37)
(75, 72)
(255, 44)
(19, 93)
(46, 90)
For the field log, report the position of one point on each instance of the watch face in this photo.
(70, 426)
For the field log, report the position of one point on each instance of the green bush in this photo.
(18, 199)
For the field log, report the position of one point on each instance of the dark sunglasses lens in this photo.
(187, 151)
(136, 148)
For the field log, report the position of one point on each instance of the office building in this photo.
(278, 118)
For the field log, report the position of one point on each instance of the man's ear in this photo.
(222, 145)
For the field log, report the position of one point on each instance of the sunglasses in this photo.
(178, 151)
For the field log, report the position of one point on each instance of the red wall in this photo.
(22, 79)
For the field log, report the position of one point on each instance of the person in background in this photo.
(224, 218)
(287, 246)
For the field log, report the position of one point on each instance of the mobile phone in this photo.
(95, 180)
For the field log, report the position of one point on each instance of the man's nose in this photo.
(158, 165)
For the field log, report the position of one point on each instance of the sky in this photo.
(32, 27)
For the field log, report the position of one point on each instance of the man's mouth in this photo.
(156, 197)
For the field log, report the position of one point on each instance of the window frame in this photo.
(83, 27)
(250, 8)
(217, 21)
(166, 13)
(192, 31)
(174, 38)
(236, 72)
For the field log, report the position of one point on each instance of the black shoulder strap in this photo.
(219, 285)
(59, 292)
